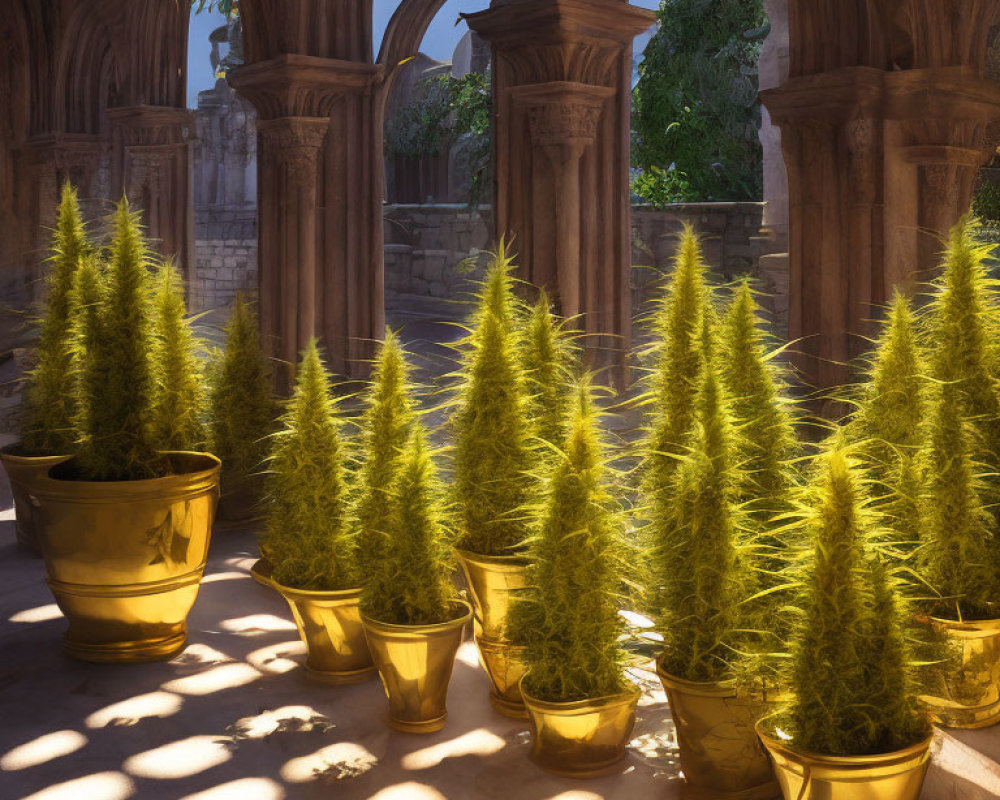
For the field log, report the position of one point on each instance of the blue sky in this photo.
(439, 42)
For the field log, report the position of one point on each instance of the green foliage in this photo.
(493, 458)
(548, 361)
(179, 403)
(958, 555)
(849, 669)
(660, 187)
(411, 584)
(308, 534)
(115, 393)
(568, 618)
(242, 404)
(695, 522)
(986, 202)
(386, 428)
(696, 103)
(49, 397)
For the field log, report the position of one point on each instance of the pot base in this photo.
(344, 678)
(601, 771)
(507, 708)
(769, 791)
(127, 652)
(423, 726)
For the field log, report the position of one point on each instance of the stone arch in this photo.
(84, 59)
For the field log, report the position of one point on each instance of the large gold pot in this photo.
(22, 472)
(492, 582)
(125, 558)
(415, 663)
(967, 691)
(720, 754)
(808, 776)
(581, 738)
(330, 626)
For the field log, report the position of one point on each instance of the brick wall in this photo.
(225, 255)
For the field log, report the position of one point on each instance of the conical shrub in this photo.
(958, 555)
(411, 584)
(179, 401)
(568, 618)
(493, 455)
(115, 393)
(385, 430)
(242, 405)
(49, 396)
(848, 670)
(548, 360)
(309, 537)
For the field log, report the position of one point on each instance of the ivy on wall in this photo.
(696, 115)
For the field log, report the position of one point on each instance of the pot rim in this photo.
(511, 562)
(821, 760)
(292, 593)
(393, 628)
(967, 626)
(15, 458)
(631, 695)
(726, 688)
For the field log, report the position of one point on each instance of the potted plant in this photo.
(704, 580)
(548, 360)
(49, 436)
(580, 705)
(412, 617)
(242, 410)
(124, 529)
(852, 727)
(308, 537)
(958, 558)
(493, 482)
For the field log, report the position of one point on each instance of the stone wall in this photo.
(225, 251)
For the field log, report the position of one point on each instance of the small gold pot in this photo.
(23, 472)
(330, 626)
(720, 754)
(492, 582)
(967, 693)
(415, 663)
(888, 776)
(581, 738)
(125, 558)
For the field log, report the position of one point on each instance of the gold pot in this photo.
(330, 626)
(720, 754)
(492, 582)
(968, 691)
(415, 663)
(261, 572)
(22, 472)
(888, 776)
(581, 738)
(125, 558)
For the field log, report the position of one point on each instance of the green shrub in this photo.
(958, 554)
(849, 669)
(115, 393)
(493, 456)
(241, 403)
(49, 396)
(695, 529)
(548, 362)
(308, 534)
(179, 403)
(411, 584)
(568, 618)
(385, 430)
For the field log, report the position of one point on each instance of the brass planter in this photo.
(492, 582)
(808, 776)
(330, 626)
(125, 558)
(582, 738)
(261, 572)
(23, 472)
(720, 754)
(968, 695)
(415, 663)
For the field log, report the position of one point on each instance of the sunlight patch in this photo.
(134, 709)
(242, 789)
(275, 659)
(216, 679)
(468, 654)
(337, 761)
(44, 748)
(99, 786)
(40, 614)
(480, 742)
(408, 791)
(215, 577)
(301, 719)
(256, 624)
(179, 759)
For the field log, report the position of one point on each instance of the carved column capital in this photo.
(562, 112)
(295, 143)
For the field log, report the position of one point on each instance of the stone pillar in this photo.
(562, 101)
(151, 165)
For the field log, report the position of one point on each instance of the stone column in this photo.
(562, 99)
(151, 165)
